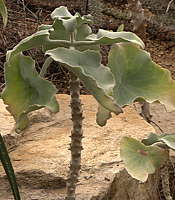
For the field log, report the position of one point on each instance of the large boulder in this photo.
(41, 156)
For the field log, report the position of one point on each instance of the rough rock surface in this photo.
(41, 157)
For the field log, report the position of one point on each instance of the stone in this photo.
(41, 158)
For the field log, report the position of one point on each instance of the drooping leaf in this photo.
(25, 90)
(87, 66)
(3, 12)
(102, 115)
(136, 75)
(108, 37)
(6, 163)
(141, 160)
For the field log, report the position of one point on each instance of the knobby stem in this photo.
(76, 136)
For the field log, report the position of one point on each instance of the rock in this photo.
(41, 158)
(7, 127)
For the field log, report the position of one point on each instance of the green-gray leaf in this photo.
(25, 91)
(108, 37)
(87, 66)
(141, 160)
(61, 12)
(38, 39)
(102, 115)
(152, 138)
(3, 12)
(169, 140)
(120, 28)
(136, 75)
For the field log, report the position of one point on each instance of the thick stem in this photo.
(76, 137)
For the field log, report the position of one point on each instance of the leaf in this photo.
(25, 90)
(36, 40)
(136, 75)
(82, 32)
(108, 37)
(70, 22)
(5, 159)
(43, 38)
(121, 28)
(152, 138)
(43, 27)
(141, 160)
(59, 31)
(169, 140)
(87, 66)
(3, 12)
(102, 115)
(61, 12)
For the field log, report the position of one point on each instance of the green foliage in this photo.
(120, 28)
(87, 66)
(129, 75)
(4, 157)
(141, 160)
(136, 75)
(25, 91)
(167, 139)
(3, 12)
(104, 37)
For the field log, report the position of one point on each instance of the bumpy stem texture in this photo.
(76, 137)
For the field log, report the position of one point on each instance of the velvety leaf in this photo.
(141, 160)
(82, 32)
(25, 90)
(136, 75)
(36, 40)
(7, 165)
(152, 138)
(108, 37)
(120, 28)
(58, 32)
(70, 22)
(87, 66)
(44, 27)
(169, 140)
(102, 115)
(61, 12)
(3, 12)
